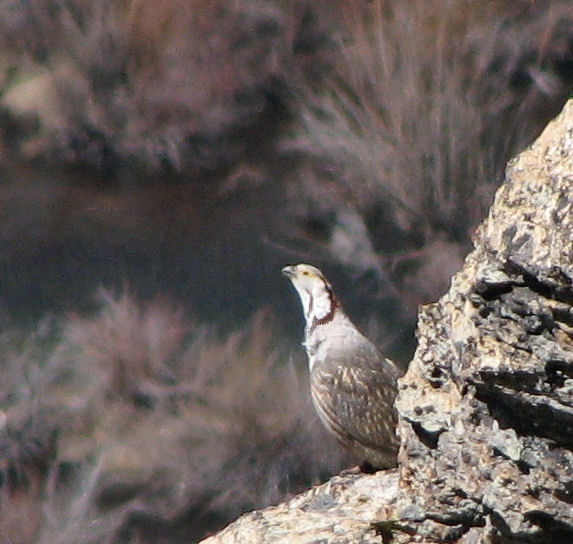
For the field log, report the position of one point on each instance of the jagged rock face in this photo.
(487, 403)
(486, 407)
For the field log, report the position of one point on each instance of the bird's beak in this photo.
(289, 271)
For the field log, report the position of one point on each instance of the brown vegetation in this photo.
(410, 132)
(164, 429)
(171, 85)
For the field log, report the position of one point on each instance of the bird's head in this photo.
(315, 292)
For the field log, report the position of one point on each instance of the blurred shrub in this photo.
(405, 142)
(165, 431)
(170, 85)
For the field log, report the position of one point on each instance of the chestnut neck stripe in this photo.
(328, 317)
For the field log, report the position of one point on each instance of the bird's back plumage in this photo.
(353, 386)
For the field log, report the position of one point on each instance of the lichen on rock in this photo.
(495, 366)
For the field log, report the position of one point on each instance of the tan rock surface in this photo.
(346, 505)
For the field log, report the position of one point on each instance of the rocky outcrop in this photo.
(487, 403)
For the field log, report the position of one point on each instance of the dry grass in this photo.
(411, 132)
(164, 86)
(131, 345)
(165, 430)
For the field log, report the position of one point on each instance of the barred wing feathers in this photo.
(355, 399)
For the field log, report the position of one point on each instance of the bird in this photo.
(353, 386)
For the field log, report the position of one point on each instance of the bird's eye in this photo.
(305, 273)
